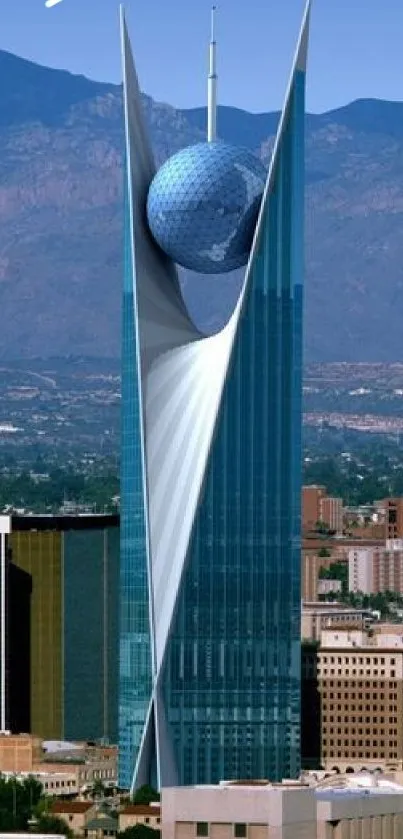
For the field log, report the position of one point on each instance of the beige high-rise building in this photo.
(360, 681)
(317, 506)
(331, 513)
(360, 568)
(373, 570)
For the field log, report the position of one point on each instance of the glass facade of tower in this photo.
(232, 676)
(90, 638)
(135, 650)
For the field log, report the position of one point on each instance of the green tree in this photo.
(51, 824)
(322, 528)
(336, 571)
(18, 800)
(140, 831)
(145, 794)
(98, 789)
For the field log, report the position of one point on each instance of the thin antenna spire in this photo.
(212, 85)
(213, 10)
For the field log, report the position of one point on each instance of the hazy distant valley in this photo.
(67, 410)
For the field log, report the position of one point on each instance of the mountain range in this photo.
(61, 153)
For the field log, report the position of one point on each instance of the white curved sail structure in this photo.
(210, 494)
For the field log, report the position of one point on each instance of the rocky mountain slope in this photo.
(61, 145)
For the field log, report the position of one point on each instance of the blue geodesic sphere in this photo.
(202, 206)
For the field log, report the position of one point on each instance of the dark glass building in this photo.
(211, 462)
(18, 648)
(62, 626)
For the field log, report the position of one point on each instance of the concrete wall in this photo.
(152, 819)
(290, 813)
(281, 813)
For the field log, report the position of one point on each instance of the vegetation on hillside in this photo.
(48, 493)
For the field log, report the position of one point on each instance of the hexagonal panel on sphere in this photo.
(203, 204)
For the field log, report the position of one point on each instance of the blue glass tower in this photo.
(211, 461)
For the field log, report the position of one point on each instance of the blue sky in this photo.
(356, 46)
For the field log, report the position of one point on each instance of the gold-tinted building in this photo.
(40, 554)
(73, 566)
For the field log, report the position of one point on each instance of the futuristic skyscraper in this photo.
(211, 459)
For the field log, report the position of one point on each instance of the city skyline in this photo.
(208, 612)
